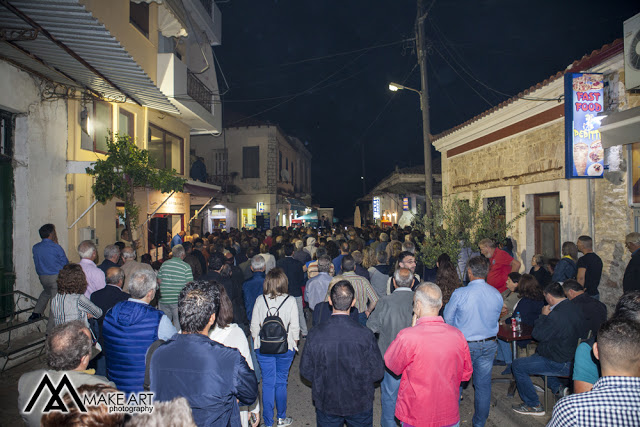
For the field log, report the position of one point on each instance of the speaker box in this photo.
(158, 231)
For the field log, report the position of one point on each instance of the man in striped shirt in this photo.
(365, 296)
(173, 275)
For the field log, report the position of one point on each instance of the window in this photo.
(280, 166)
(139, 16)
(126, 123)
(547, 224)
(6, 134)
(251, 162)
(102, 125)
(166, 149)
(634, 174)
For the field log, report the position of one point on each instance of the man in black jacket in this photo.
(631, 280)
(594, 312)
(557, 331)
(293, 270)
(106, 298)
(342, 361)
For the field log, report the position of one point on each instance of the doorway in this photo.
(7, 274)
(547, 224)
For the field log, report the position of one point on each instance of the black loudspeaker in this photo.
(158, 231)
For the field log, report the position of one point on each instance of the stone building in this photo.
(265, 175)
(514, 154)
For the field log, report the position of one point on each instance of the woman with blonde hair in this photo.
(275, 364)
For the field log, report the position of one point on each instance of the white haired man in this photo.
(95, 277)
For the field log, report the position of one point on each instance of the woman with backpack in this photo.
(275, 329)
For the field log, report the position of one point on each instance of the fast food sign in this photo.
(583, 95)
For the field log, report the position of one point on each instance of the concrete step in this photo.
(22, 349)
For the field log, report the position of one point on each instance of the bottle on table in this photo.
(518, 322)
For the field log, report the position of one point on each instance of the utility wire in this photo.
(463, 79)
(446, 41)
(299, 93)
(441, 86)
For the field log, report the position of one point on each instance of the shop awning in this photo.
(296, 204)
(63, 42)
(621, 128)
(201, 189)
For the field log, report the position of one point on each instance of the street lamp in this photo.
(424, 106)
(394, 87)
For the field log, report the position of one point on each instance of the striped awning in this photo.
(73, 48)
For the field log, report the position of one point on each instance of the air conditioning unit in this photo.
(632, 52)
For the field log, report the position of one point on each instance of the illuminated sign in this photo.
(376, 208)
(406, 204)
(583, 100)
(260, 207)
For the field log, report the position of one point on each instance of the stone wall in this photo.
(537, 155)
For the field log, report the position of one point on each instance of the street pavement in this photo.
(300, 406)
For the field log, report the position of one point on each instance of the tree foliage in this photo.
(126, 168)
(457, 225)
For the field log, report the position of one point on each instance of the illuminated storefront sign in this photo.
(260, 207)
(584, 155)
(376, 208)
(406, 204)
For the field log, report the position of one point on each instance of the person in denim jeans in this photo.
(557, 331)
(475, 311)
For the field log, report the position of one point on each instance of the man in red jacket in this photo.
(433, 359)
(500, 264)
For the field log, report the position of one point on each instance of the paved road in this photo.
(300, 406)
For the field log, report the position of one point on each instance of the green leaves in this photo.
(459, 223)
(126, 168)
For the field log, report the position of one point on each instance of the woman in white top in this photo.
(275, 367)
(229, 334)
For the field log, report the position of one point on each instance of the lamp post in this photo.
(424, 106)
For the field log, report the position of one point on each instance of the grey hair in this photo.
(86, 248)
(141, 283)
(430, 295)
(403, 277)
(110, 251)
(487, 243)
(178, 251)
(258, 263)
(129, 253)
(173, 413)
(299, 244)
(324, 264)
(409, 247)
(479, 266)
(382, 257)
(539, 259)
(66, 345)
(633, 238)
(384, 237)
(114, 275)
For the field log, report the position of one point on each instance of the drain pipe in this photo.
(592, 230)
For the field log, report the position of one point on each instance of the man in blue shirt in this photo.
(49, 258)
(178, 239)
(475, 310)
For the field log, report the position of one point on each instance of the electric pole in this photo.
(424, 105)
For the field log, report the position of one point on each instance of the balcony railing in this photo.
(198, 91)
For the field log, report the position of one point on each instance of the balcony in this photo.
(198, 91)
(188, 94)
(206, 15)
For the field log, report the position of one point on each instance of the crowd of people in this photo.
(212, 327)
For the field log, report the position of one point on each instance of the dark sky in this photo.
(270, 58)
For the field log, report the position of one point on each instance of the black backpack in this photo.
(273, 334)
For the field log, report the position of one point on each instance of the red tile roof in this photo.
(587, 61)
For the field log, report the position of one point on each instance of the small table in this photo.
(506, 334)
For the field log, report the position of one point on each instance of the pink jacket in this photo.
(433, 359)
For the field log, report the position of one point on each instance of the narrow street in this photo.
(300, 406)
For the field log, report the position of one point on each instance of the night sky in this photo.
(320, 69)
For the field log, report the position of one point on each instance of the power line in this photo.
(299, 93)
(463, 79)
(442, 87)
